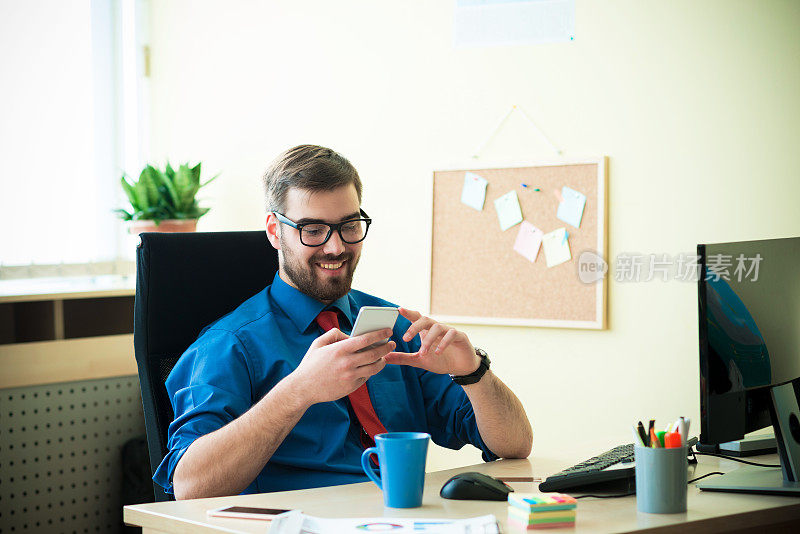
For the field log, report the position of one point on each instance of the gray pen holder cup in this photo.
(661, 479)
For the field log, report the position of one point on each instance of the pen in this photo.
(637, 438)
(642, 435)
(672, 440)
(650, 427)
(654, 439)
(682, 428)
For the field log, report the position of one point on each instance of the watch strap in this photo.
(474, 377)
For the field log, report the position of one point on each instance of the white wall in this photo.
(695, 103)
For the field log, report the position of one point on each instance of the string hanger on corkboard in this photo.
(502, 123)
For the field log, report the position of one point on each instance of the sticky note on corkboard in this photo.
(529, 239)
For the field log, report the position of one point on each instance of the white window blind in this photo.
(61, 140)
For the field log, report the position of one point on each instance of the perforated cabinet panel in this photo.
(60, 454)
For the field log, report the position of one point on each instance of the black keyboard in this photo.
(594, 471)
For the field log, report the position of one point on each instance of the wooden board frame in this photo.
(599, 321)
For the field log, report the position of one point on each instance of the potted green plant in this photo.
(163, 201)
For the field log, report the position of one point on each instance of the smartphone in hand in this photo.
(372, 318)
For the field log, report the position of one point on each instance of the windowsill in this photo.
(66, 287)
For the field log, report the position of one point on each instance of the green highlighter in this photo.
(660, 436)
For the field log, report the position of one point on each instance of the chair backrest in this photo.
(184, 282)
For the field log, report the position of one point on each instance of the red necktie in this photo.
(359, 399)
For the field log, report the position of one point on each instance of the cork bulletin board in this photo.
(476, 275)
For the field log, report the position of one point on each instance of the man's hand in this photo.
(332, 368)
(444, 350)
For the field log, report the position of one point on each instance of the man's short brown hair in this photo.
(310, 168)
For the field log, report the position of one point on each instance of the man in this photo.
(275, 396)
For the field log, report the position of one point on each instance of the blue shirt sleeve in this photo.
(209, 387)
(448, 411)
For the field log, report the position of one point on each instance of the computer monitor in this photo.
(749, 324)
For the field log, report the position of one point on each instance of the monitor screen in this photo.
(749, 325)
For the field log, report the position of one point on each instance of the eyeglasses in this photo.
(316, 234)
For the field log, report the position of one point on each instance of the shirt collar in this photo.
(303, 309)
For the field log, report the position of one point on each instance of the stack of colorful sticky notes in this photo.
(541, 510)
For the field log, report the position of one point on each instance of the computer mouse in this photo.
(472, 486)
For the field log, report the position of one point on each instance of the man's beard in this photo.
(303, 274)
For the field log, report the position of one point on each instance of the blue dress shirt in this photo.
(237, 359)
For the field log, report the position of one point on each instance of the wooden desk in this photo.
(707, 511)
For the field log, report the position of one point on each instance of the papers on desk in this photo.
(295, 522)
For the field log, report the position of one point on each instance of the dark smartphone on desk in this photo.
(247, 512)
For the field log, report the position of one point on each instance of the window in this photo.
(71, 103)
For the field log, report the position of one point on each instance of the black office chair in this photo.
(183, 283)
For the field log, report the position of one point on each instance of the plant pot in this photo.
(167, 225)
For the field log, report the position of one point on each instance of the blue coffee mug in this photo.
(401, 456)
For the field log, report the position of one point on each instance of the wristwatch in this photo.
(474, 377)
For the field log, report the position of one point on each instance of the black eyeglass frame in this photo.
(331, 227)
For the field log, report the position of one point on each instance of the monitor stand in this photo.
(785, 413)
